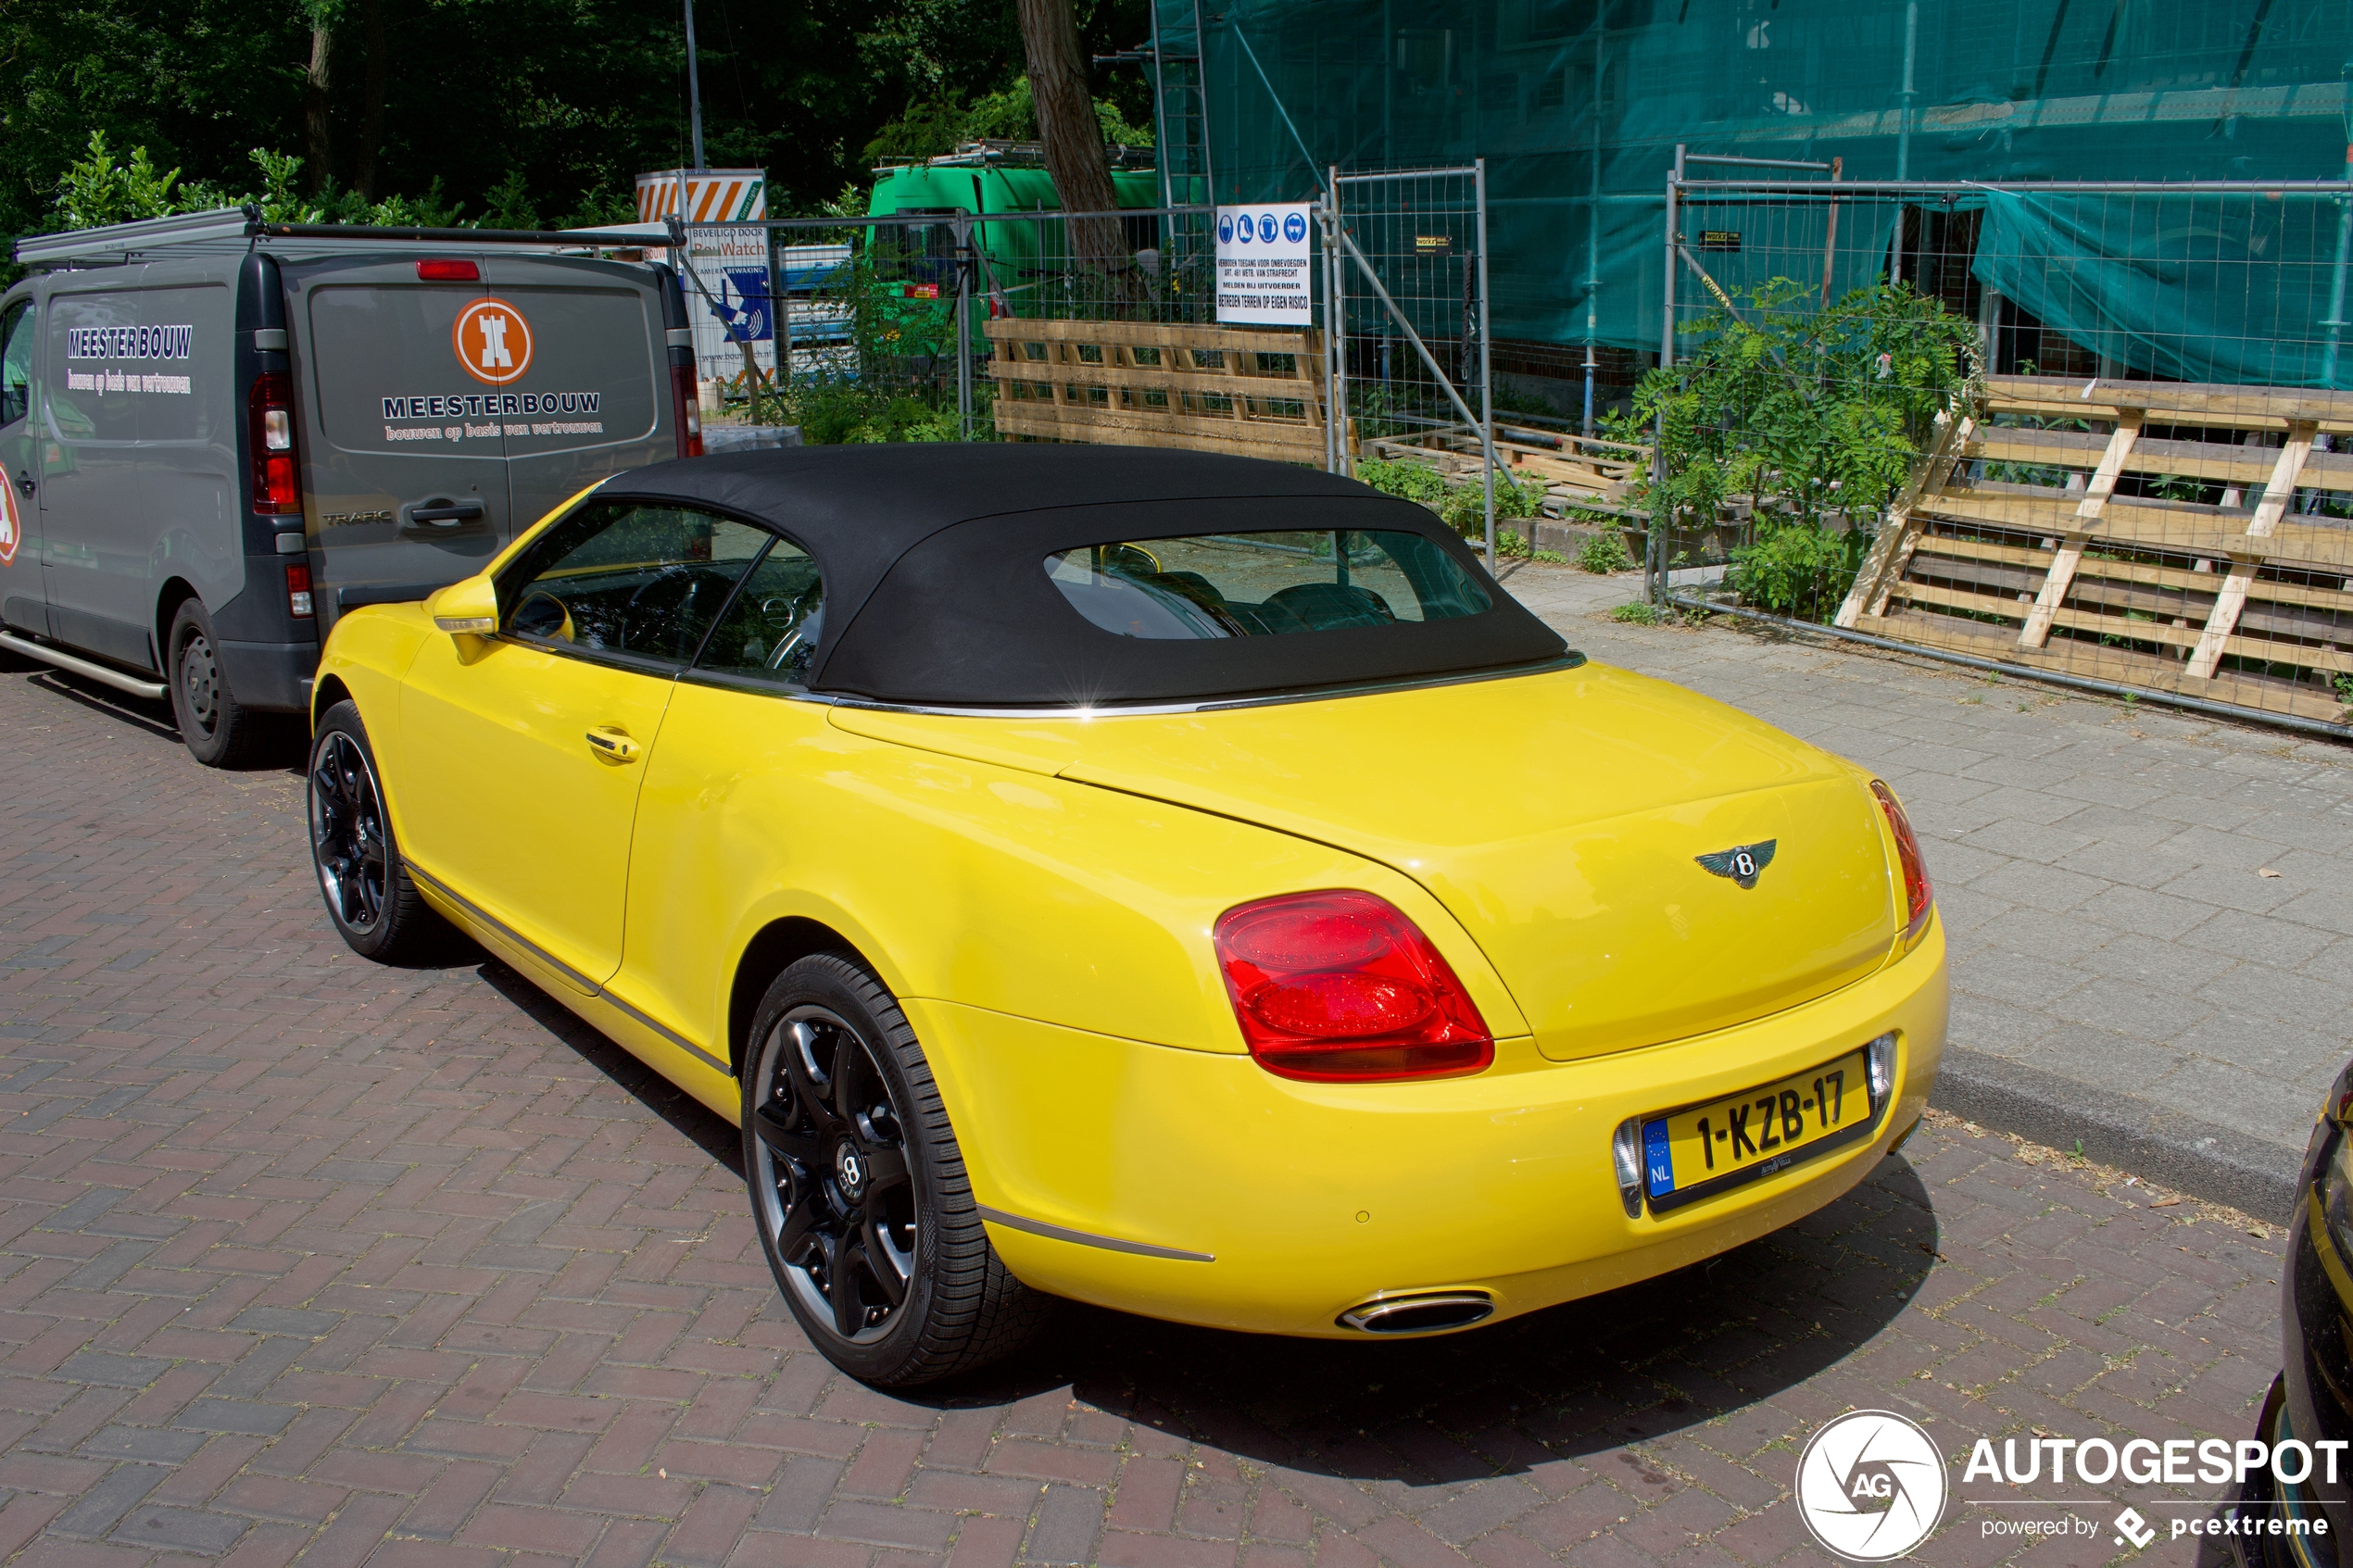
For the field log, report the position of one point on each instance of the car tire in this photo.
(859, 1190)
(221, 731)
(370, 896)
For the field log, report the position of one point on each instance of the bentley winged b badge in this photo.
(1741, 862)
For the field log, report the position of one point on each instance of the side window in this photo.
(771, 631)
(618, 577)
(15, 362)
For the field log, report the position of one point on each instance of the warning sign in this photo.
(1265, 259)
(11, 530)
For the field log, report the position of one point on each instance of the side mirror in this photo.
(467, 606)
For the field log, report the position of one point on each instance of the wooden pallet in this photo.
(1250, 391)
(2012, 541)
(1577, 470)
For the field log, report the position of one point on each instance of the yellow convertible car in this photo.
(1179, 883)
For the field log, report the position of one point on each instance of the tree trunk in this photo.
(1074, 138)
(372, 100)
(317, 152)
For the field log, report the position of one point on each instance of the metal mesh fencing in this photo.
(1868, 422)
(880, 324)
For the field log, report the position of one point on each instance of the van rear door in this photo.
(404, 449)
(589, 392)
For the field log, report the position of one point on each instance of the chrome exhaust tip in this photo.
(1425, 1313)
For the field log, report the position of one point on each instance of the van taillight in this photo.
(686, 407)
(298, 591)
(277, 486)
(1340, 988)
(448, 273)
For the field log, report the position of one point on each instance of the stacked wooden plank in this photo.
(1581, 471)
(1250, 391)
(2173, 536)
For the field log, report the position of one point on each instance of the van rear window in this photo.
(1213, 586)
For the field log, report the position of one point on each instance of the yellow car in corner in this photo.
(1179, 883)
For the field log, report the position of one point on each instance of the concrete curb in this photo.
(2131, 1134)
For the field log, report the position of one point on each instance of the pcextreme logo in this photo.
(493, 341)
(1871, 1486)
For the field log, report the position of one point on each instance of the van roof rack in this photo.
(996, 152)
(243, 227)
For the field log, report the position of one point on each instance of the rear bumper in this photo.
(1196, 1186)
(274, 677)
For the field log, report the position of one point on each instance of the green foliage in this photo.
(1008, 114)
(841, 413)
(1606, 553)
(96, 190)
(1798, 569)
(1461, 506)
(569, 99)
(1640, 612)
(1802, 411)
(1412, 482)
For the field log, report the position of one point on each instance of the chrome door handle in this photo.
(610, 743)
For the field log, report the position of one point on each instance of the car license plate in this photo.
(1703, 1150)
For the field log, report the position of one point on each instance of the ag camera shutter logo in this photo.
(1871, 1486)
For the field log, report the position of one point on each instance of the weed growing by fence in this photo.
(1606, 553)
(1812, 418)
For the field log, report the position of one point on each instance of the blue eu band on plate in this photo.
(1741, 1137)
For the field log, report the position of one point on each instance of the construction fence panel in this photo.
(1868, 422)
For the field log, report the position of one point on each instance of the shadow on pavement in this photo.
(652, 1090)
(1590, 1377)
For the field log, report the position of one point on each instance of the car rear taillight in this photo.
(298, 591)
(685, 406)
(1340, 988)
(439, 272)
(277, 485)
(1917, 896)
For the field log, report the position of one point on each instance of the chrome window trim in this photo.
(1570, 661)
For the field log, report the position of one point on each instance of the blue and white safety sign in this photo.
(1265, 259)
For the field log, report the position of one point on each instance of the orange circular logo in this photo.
(493, 341)
(11, 522)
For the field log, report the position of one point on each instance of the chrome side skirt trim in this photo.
(1111, 1243)
(154, 691)
(578, 980)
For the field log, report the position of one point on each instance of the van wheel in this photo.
(859, 1190)
(221, 732)
(370, 895)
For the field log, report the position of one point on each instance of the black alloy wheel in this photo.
(347, 837)
(369, 894)
(831, 1181)
(859, 1190)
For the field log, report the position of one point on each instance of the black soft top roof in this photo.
(933, 557)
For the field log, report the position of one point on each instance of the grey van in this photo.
(220, 433)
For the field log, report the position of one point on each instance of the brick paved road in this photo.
(304, 1260)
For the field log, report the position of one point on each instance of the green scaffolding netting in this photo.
(1578, 106)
